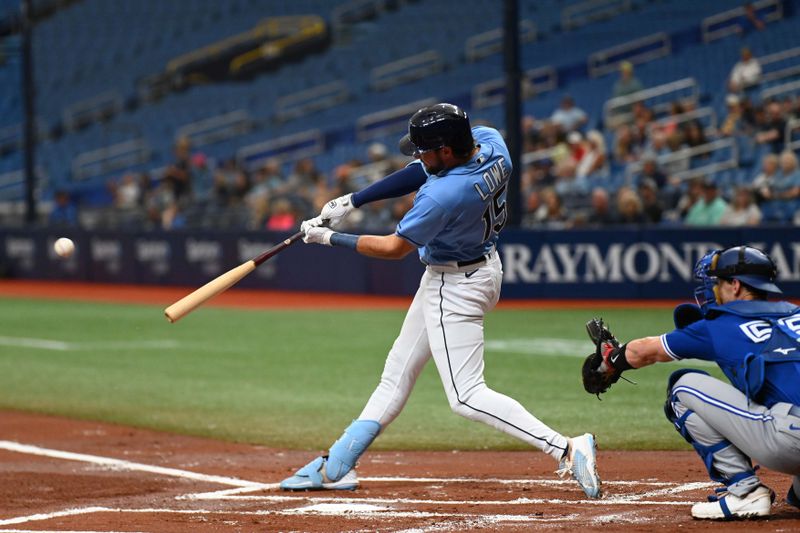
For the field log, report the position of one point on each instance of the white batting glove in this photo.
(337, 209)
(310, 223)
(318, 235)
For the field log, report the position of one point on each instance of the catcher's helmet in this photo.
(749, 265)
(435, 127)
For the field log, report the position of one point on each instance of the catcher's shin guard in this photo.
(344, 453)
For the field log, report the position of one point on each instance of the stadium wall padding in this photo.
(624, 263)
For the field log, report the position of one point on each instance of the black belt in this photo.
(478, 260)
(795, 410)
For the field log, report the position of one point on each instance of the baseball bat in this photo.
(223, 282)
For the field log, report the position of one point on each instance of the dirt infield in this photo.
(65, 475)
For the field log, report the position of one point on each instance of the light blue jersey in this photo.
(458, 214)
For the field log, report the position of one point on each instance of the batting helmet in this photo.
(435, 127)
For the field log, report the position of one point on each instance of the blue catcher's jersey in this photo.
(458, 214)
(756, 344)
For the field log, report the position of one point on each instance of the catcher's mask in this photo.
(749, 265)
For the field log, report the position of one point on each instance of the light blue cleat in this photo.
(581, 464)
(313, 477)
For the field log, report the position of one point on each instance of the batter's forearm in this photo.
(383, 246)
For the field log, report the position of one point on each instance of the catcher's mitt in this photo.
(598, 377)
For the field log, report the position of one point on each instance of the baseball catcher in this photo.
(604, 367)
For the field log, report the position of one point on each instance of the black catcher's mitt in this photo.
(597, 380)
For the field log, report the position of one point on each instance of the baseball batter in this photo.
(754, 342)
(461, 176)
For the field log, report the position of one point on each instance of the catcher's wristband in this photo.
(346, 240)
(618, 360)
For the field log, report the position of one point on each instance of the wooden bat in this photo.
(223, 282)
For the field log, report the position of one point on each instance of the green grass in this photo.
(297, 378)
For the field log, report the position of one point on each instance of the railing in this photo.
(778, 57)
(705, 115)
(96, 108)
(491, 42)
(539, 155)
(686, 89)
(791, 87)
(311, 100)
(684, 156)
(289, 148)
(110, 158)
(534, 81)
(407, 69)
(727, 22)
(391, 120)
(792, 125)
(583, 13)
(357, 11)
(216, 129)
(637, 51)
(12, 185)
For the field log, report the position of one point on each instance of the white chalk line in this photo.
(66, 346)
(119, 464)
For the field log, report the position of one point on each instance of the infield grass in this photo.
(296, 379)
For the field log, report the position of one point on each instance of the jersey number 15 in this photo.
(495, 215)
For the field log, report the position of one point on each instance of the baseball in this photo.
(64, 247)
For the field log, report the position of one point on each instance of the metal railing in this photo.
(218, 128)
(791, 87)
(311, 100)
(584, 13)
(777, 57)
(684, 155)
(615, 109)
(391, 120)
(703, 114)
(98, 107)
(727, 22)
(491, 42)
(792, 125)
(534, 81)
(637, 51)
(289, 148)
(110, 158)
(407, 69)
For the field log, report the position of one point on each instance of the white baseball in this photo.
(64, 247)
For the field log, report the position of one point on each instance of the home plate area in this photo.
(64, 475)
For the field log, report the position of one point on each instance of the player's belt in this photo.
(469, 262)
(795, 410)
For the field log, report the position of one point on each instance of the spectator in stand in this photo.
(708, 210)
(601, 213)
(651, 171)
(568, 116)
(594, 161)
(550, 213)
(690, 197)
(742, 211)
(64, 212)
(532, 139)
(302, 183)
(787, 184)
(750, 21)
(746, 73)
(127, 193)
(773, 128)
(734, 124)
(765, 180)
(282, 217)
(693, 134)
(629, 207)
(652, 209)
(178, 174)
(202, 176)
(627, 82)
(625, 149)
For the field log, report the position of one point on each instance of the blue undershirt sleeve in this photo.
(396, 184)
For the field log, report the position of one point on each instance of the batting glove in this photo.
(310, 223)
(337, 209)
(318, 235)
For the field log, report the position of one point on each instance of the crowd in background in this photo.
(571, 178)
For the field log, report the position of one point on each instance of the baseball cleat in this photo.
(313, 477)
(729, 506)
(581, 464)
(792, 498)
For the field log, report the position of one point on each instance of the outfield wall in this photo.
(622, 263)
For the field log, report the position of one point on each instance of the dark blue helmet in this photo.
(437, 126)
(749, 265)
